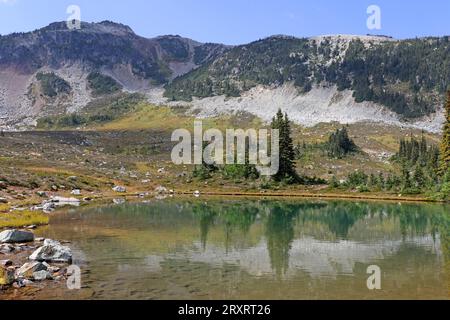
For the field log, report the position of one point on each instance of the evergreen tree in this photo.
(340, 144)
(287, 170)
(419, 177)
(406, 178)
(445, 145)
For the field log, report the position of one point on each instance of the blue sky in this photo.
(237, 21)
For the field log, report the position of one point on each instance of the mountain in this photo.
(54, 69)
(407, 77)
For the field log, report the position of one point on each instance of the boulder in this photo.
(76, 192)
(161, 190)
(48, 207)
(6, 263)
(119, 189)
(119, 201)
(3, 200)
(6, 276)
(6, 248)
(42, 194)
(28, 269)
(16, 236)
(52, 251)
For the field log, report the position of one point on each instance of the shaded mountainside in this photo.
(55, 71)
(83, 58)
(408, 77)
(101, 45)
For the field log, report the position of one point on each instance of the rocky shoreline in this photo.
(27, 261)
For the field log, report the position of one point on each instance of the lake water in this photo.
(256, 249)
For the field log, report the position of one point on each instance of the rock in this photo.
(161, 190)
(32, 227)
(50, 242)
(48, 207)
(197, 193)
(22, 283)
(54, 188)
(3, 185)
(3, 200)
(6, 248)
(76, 192)
(42, 275)
(61, 201)
(42, 194)
(162, 170)
(39, 239)
(6, 276)
(119, 201)
(28, 269)
(52, 251)
(6, 263)
(16, 236)
(119, 189)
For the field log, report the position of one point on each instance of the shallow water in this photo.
(252, 249)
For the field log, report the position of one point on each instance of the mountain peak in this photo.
(94, 27)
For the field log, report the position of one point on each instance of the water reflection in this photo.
(316, 249)
(280, 219)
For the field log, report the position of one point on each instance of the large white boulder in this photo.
(16, 236)
(28, 269)
(52, 251)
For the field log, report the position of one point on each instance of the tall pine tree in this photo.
(287, 170)
(445, 145)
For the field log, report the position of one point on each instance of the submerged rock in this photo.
(52, 251)
(119, 201)
(16, 236)
(161, 190)
(42, 275)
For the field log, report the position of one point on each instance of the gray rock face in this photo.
(52, 251)
(16, 236)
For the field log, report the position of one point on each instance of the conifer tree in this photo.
(445, 145)
(287, 153)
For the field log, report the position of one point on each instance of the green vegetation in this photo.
(18, 219)
(52, 85)
(407, 76)
(287, 170)
(445, 144)
(444, 165)
(101, 84)
(100, 111)
(419, 172)
(340, 144)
